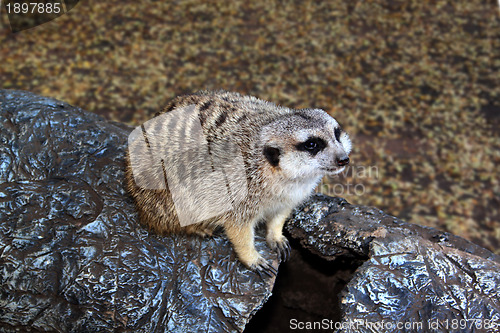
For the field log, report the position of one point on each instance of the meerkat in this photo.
(278, 155)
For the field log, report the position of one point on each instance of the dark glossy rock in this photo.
(411, 275)
(72, 255)
(74, 259)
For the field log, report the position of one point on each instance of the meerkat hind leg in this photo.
(242, 238)
(202, 231)
(275, 238)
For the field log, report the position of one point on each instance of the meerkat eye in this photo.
(337, 133)
(312, 145)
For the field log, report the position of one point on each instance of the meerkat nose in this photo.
(343, 161)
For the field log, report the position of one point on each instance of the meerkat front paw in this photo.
(281, 245)
(275, 238)
(242, 238)
(254, 261)
(261, 266)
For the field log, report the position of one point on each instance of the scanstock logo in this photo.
(205, 177)
(28, 14)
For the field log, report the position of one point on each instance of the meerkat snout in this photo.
(279, 155)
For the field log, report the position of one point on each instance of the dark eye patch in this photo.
(312, 145)
(338, 131)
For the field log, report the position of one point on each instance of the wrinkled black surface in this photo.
(72, 255)
(74, 259)
(411, 274)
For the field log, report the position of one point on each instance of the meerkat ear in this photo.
(272, 155)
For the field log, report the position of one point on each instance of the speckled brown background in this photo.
(415, 83)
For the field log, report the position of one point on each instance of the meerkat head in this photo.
(308, 143)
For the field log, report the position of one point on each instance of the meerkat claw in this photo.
(282, 247)
(263, 267)
(284, 250)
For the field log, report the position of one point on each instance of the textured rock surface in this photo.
(412, 275)
(74, 259)
(72, 256)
